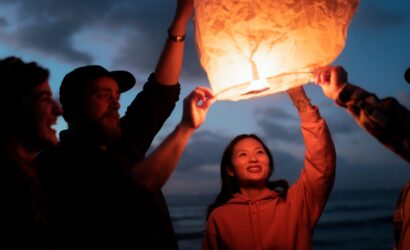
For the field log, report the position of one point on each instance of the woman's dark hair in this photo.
(17, 78)
(229, 183)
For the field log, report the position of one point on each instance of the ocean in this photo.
(354, 220)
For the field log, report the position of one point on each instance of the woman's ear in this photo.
(229, 171)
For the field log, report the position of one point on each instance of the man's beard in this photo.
(105, 130)
(109, 131)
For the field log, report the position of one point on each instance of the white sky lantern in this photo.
(253, 48)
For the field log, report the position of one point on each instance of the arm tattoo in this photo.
(301, 105)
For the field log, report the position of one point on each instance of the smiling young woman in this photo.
(251, 212)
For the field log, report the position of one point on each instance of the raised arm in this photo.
(300, 100)
(150, 109)
(317, 177)
(154, 171)
(385, 119)
(170, 62)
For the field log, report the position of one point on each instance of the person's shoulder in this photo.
(216, 213)
(225, 210)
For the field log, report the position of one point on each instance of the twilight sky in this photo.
(127, 34)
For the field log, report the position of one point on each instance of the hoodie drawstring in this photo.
(255, 225)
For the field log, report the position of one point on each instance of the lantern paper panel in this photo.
(252, 48)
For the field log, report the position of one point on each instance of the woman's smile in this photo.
(254, 169)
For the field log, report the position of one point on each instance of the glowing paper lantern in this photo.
(253, 48)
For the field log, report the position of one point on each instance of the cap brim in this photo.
(124, 79)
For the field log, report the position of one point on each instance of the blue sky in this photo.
(62, 35)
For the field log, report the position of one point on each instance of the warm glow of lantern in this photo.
(245, 43)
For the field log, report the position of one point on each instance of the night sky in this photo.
(128, 34)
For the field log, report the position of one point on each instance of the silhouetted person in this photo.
(103, 193)
(407, 75)
(27, 113)
(251, 212)
(386, 119)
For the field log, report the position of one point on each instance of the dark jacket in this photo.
(91, 199)
(22, 216)
(389, 122)
(386, 119)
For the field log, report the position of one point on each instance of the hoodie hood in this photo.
(266, 195)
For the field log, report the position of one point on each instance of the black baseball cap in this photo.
(75, 81)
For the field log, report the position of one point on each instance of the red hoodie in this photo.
(269, 222)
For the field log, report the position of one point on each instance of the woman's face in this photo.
(250, 163)
(39, 111)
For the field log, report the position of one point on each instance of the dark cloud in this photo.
(341, 122)
(277, 124)
(287, 166)
(49, 26)
(198, 169)
(276, 131)
(37, 36)
(205, 148)
(274, 113)
(192, 64)
(113, 13)
(3, 22)
(143, 49)
(374, 16)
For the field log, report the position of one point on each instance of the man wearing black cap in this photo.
(102, 191)
(28, 113)
(387, 120)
